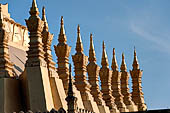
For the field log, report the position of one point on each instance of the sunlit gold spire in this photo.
(135, 61)
(62, 37)
(92, 56)
(79, 45)
(123, 65)
(43, 14)
(114, 62)
(34, 9)
(62, 31)
(104, 57)
(44, 19)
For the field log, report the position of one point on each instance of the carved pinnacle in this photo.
(104, 57)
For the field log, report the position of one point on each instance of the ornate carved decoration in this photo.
(124, 84)
(116, 75)
(47, 40)
(93, 74)
(35, 27)
(105, 77)
(62, 51)
(137, 94)
(80, 62)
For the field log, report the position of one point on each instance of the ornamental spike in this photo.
(34, 9)
(123, 65)
(92, 56)
(62, 30)
(135, 61)
(114, 62)
(104, 57)
(43, 15)
(79, 45)
(44, 19)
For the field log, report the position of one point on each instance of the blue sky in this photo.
(122, 24)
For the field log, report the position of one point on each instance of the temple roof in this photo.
(18, 58)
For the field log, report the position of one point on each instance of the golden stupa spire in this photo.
(123, 65)
(44, 19)
(114, 62)
(62, 37)
(62, 31)
(92, 56)
(104, 57)
(135, 61)
(79, 45)
(34, 9)
(43, 15)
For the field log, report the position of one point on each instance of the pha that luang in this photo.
(30, 82)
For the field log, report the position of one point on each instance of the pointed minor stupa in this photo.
(43, 15)
(80, 61)
(135, 61)
(62, 31)
(93, 77)
(105, 77)
(137, 94)
(114, 62)
(125, 87)
(44, 19)
(79, 45)
(116, 76)
(34, 9)
(62, 39)
(62, 51)
(123, 64)
(104, 57)
(92, 56)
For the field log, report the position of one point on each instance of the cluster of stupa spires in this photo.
(114, 91)
(120, 97)
(114, 95)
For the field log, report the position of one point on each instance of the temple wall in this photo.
(10, 99)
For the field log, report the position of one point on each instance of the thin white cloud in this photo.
(160, 42)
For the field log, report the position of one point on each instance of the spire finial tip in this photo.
(123, 56)
(78, 28)
(34, 9)
(91, 35)
(34, 4)
(43, 11)
(103, 45)
(113, 51)
(134, 51)
(62, 21)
